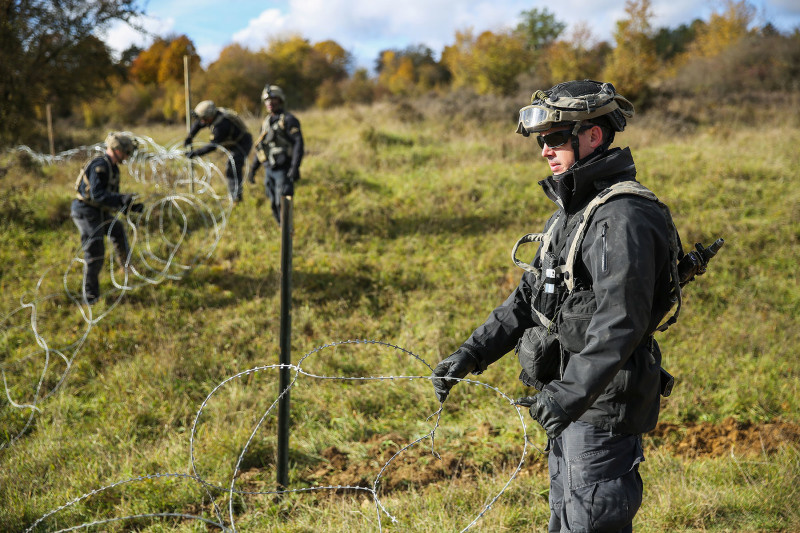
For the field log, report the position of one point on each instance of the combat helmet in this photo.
(574, 103)
(273, 91)
(121, 141)
(205, 110)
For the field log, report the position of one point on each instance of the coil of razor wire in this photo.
(299, 373)
(186, 208)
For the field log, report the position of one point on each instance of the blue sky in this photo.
(365, 27)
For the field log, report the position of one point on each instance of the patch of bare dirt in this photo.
(417, 467)
(705, 439)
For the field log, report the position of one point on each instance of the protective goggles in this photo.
(536, 118)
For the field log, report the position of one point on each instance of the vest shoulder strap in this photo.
(637, 189)
(83, 179)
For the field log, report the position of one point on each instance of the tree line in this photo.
(49, 54)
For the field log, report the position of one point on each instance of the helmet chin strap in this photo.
(576, 141)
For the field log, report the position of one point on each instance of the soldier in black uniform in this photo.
(588, 306)
(279, 147)
(228, 131)
(97, 200)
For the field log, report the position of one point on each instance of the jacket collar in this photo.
(576, 187)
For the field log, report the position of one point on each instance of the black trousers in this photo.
(94, 224)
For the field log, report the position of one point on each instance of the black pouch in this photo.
(549, 289)
(279, 160)
(573, 320)
(539, 354)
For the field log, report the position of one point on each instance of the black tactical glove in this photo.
(545, 410)
(457, 365)
(191, 154)
(291, 174)
(126, 202)
(138, 207)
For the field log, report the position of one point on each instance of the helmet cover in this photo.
(273, 91)
(575, 101)
(120, 141)
(205, 110)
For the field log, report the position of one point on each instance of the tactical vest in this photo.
(275, 146)
(559, 280)
(83, 188)
(236, 120)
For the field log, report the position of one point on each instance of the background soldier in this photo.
(96, 203)
(279, 147)
(228, 131)
(600, 375)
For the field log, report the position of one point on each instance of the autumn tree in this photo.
(633, 63)
(49, 54)
(300, 67)
(722, 31)
(163, 60)
(410, 71)
(489, 63)
(579, 56)
(235, 79)
(727, 57)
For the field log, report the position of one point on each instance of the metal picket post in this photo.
(285, 341)
(188, 98)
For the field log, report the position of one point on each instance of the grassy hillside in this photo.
(404, 221)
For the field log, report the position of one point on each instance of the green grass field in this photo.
(403, 226)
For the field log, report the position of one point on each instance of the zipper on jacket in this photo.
(605, 246)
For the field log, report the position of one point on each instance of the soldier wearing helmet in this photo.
(587, 340)
(228, 131)
(279, 148)
(94, 209)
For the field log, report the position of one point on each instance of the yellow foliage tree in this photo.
(397, 73)
(723, 30)
(337, 58)
(164, 60)
(575, 57)
(489, 63)
(171, 64)
(633, 62)
(457, 58)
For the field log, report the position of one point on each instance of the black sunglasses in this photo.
(559, 138)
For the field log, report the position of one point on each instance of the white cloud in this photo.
(259, 30)
(365, 26)
(120, 36)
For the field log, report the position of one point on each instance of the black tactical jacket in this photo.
(226, 132)
(611, 379)
(99, 188)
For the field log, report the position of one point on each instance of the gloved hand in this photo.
(545, 410)
(457, 365)
(137, 207)
(291, 174)
(126, 202)
(187, 141)
(191, 154)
